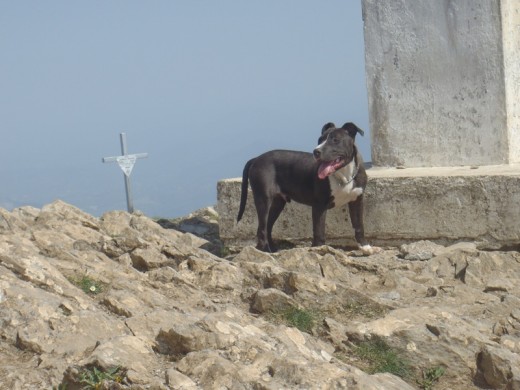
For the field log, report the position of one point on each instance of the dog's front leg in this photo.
(356, 211)
(319, 214)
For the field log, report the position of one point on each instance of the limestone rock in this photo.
(420, 250)
(79, 292)
(252, 255)
(271, 299)
(500, 368)
(148, 259)
(179, 381)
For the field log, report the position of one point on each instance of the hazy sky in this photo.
(199, 85)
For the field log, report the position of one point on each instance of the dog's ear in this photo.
(352, 129)
(327, 126)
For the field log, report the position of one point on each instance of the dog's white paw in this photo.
(370, 250)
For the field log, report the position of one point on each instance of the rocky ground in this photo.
(120, 302)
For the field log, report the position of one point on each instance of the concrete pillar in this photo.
(443, 81)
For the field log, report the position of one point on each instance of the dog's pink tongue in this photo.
(325, 169)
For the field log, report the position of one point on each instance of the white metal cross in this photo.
(126, 163)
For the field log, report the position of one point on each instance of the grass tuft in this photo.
(92, 378)
(430, 377)
(88, 285)
(380, 357)
(302, 319)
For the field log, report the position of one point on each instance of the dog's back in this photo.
(284, 173)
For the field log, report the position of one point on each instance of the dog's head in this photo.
(336, 147)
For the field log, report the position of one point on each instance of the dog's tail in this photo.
(243, 195)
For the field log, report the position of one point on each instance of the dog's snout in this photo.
(317, 153)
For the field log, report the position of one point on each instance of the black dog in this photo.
(330, 177)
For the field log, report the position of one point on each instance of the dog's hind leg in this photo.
(277, 207)
(319, 214)
(263, 204)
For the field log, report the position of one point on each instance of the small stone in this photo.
(271, 299)
(420, 250)
(500, 328)
(411, 346)
(178, 381)
(391, 296)
(432, 292)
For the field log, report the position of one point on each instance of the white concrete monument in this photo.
(443, 81)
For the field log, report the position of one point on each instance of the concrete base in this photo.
(444, 205)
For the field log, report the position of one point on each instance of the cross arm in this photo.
(114, 158)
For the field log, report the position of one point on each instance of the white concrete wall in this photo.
(436, 81)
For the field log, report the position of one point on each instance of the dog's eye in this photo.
(335, 140)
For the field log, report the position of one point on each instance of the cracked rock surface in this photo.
(78, 292)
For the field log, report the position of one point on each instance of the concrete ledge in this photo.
(444, 205)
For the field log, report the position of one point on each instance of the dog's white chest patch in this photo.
(342, 185)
